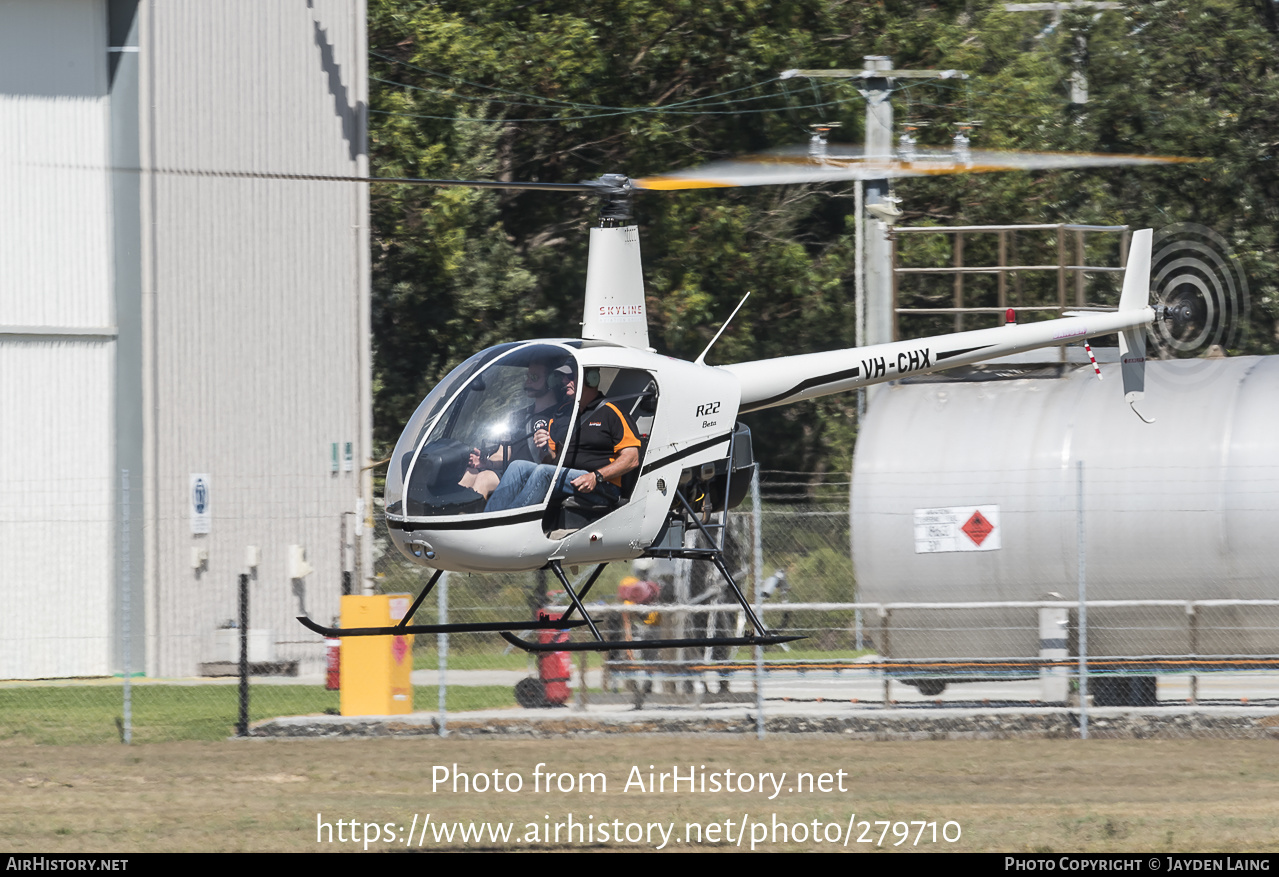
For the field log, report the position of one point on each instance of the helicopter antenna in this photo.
(701, 358)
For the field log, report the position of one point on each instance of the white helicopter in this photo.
(694, 461)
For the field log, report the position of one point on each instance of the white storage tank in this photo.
(1186, 508)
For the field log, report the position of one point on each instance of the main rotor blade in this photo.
(787, 166)
(842, 163)
(588, 186)
(485, 184)
(470, 184)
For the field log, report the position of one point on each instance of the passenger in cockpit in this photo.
(478, 476)
(604, 447)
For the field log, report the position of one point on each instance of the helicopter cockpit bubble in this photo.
(496, 407)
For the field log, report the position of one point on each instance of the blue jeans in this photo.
(525, 484)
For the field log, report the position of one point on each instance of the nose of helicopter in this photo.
(504, 406)
(490, 545)
(419, 548)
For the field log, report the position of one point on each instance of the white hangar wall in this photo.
(160, 320)
(256, 309)
(57, 342)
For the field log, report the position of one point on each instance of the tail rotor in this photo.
(1202, 289)
(1202, 297)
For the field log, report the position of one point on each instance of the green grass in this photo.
(429, 659)
(93, 713)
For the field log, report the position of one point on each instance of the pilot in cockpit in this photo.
(551, 390)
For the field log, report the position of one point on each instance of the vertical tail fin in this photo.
(1132, 342)
(614, 304)
(1136, 294)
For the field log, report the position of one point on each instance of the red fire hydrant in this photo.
(554, 669)
(332, 663)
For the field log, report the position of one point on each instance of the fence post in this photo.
(758, 562)
(442, 650)
(242, 725)
(126, 632)
(1192, 621)
(885, 616)
(859, 638)
(1083, 609)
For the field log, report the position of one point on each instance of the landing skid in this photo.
(407, 629)
(403, 628)
(713, 553)
(646, 644)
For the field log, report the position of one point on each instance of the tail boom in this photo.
(770, 382)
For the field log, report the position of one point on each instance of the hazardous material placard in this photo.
(970, 528)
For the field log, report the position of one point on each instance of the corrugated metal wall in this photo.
(254, 304)
(247, 307)
(56, 342)
(55, 506)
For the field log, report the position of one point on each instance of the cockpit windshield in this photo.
(509, 403)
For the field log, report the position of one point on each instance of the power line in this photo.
(716, 99)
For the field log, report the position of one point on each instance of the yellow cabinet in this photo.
(376, 670)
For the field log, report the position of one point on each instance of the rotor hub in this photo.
(615, 192)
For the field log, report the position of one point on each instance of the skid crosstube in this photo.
(461, 627)
(640, 645)
(599, 644)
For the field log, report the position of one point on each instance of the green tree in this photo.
(561, 92)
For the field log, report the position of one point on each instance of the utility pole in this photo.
(874, 249)
(877, 310)
(1078, 77)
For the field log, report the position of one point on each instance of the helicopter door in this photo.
(634, 393)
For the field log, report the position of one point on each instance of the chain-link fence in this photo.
(1201, 667)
